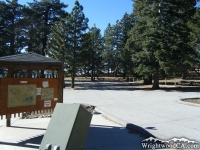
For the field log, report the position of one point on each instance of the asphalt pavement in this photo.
(160, 113)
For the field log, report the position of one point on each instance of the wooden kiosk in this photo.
(22, 87)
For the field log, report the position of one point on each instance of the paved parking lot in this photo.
(156, 112)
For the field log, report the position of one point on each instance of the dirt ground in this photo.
(109, 79)
(171, 81)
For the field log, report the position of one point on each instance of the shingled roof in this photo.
(28, 57)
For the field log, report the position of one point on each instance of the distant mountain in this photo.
(152, 139)
(173, 140)
(181, 140)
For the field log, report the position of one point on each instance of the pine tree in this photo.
(58, 45)
(10, 27)
(46, 13)
(112, 40)
(196, 34)
(65, 39)
(3, 30)
(31, 30)
(160, 39)
(93, 46)
(108, 51)
(116, 56)
(126, 24)
(117, 45)
(78, 25)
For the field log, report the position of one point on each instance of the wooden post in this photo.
(29, 74)
(8, 116)
(10, 70)
(60, 84)
(8, 121)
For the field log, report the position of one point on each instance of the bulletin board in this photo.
(21, 95)
(27, 94)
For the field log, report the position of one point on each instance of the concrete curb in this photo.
(129, 126)
(111, 117)
(181, 101)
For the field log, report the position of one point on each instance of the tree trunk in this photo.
(116, 71)
(184, 75)
(156, 80)
(150, 79)
(12, 42)
(94, 74)
(108, 70)
(73, 76)
(124, 73)
(147, 81)
(74, 60)
(73, 79)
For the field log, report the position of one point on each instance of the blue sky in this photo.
(99, 12)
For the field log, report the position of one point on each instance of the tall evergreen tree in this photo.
(58, 46)
(117, 45)
(126, 65)
(65, 40)
(116, 55)
(93, 46)
(160, 38)
(78, 25)
(31, 30)
(112, 40)
(196, 34)
(108, 50)
(46, 13)
(10, 27)
(3, 30)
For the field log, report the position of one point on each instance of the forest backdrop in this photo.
(159, 38)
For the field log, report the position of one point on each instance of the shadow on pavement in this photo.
(140, 130)
(126, 86)
(99, 137)
(182, 89)
(28, 128)
(106, 86)
(112, 137)
(33, 142)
